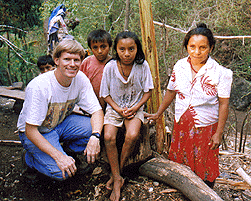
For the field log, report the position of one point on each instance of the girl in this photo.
(126, 85)
(202, 90)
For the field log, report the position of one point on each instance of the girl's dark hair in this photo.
(140, 56)
(99, 35)
(201, 29)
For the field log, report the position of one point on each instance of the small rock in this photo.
(155, 183)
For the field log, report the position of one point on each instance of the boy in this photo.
(45, 63)
(100, 42)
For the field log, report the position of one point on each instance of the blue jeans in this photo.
(74, 132)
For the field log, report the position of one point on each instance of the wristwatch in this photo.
(96, 134)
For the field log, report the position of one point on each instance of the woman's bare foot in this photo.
(109, 184)
(117, 185)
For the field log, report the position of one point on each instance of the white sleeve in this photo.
(148, 80)
(36, 104)
(87, 100)
(105, 83)
(225, 82)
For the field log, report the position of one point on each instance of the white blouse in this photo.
(200, 94)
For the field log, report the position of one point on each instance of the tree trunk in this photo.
(150, 50)
(180, 177)
(8, 61)
(127, 14)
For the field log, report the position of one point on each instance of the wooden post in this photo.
(150, 50)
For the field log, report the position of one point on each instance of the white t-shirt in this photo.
(47, 103)
(126, 93)
(201, 94)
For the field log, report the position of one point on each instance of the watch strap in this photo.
(96, 134)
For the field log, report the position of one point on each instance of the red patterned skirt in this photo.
(190, 147)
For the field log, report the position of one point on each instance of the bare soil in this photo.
(14, 186)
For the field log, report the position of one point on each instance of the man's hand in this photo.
(66, 164)
(92, 149)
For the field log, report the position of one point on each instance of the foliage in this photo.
(20, 14)
(16, 19)
(94, 14)
(225, 17)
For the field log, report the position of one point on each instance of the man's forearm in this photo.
(38, 140)
(97, 121)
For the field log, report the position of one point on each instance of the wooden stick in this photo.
(244, 175)
(183, 31)
(10, 142)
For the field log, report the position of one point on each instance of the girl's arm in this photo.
(114, 105)
(168, 98)
(223, 113)
(130, 112)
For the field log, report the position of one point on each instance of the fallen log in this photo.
(180, 177)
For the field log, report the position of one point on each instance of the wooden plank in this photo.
(20, 95)
(15, 94)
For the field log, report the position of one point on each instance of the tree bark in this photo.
(150, 50)
(127, 14)
(180, 177)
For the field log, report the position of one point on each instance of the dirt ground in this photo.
(14, 186)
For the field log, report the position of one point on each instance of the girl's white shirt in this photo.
(126, 93)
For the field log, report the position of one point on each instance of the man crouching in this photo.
(46, 120)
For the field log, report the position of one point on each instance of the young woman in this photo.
(126, 85)
(202, 89)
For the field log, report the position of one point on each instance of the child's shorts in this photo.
(115, 119)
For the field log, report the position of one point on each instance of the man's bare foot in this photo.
(109, 184)
(117, 185)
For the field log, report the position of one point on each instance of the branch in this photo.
(9, 43)
(218, 37)
(110, 6)
(116, 19)
(12, 47)
(11, 27)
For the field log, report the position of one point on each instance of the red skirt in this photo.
(190, 147)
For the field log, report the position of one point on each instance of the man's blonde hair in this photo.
(69, 46)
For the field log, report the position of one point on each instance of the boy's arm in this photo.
(64, 162)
